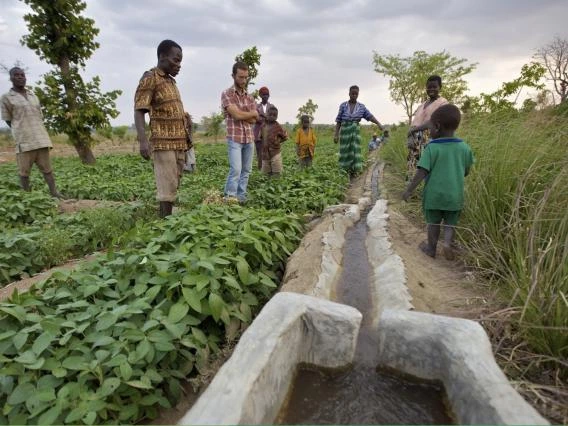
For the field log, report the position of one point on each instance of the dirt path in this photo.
(26, 283)
(436, 285)
(7, 154)
(73, 205)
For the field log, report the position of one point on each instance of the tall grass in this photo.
(515, 220)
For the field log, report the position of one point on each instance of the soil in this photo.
(437, 285)
(26, 283)
(72, 205)
(8, 154)
(301, 270)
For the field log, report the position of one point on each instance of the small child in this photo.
(272, 135)
(305, 143)
(445, 162)
(374, 143)
(385, 137)
(190, 164)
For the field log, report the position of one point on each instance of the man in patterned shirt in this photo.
(158, 95)
(21, 111)
(240, 115)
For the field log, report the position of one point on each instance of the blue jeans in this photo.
(240, 166)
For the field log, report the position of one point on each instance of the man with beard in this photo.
(240, 115)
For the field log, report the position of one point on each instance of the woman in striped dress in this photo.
(347, 132)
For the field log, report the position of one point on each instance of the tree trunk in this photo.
(84, 150)
(80, 143)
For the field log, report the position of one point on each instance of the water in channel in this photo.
(363, 394)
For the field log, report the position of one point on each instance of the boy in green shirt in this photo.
(444, 164)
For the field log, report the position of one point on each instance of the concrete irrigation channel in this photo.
(342, 344)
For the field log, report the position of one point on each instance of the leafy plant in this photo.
(29, 250)
(112, 341)
(63, 38)
(18, 207)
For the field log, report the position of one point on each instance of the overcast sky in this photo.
(310, 48)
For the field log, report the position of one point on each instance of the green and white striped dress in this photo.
(350, 157)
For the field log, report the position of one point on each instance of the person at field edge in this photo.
(445, 162)
(262, 108)
(240, 116)
(190, 162)
(418, 134)
(157, 94)
(305, 143)
(374, 143)
(272, 135)
(22, 112)
(347, 132)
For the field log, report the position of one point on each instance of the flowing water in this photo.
(363, 394)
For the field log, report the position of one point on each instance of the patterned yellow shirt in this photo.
(26, 120)
(306, 143)
(158, 94)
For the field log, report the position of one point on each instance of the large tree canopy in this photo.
(408, 75)
(59, 35)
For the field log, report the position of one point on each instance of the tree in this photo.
(500, 100)
(212, 124)
(18, 64)
(309, 109)
(408, 75)
(554, 57)
(59, 35)
(251, 57)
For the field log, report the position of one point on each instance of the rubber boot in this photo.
(25, 183)
(449, 232)
(433, 233)
(166, 208)
(50, 180)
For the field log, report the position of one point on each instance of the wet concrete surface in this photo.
(363, 394)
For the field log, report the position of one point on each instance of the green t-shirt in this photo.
(447, 161)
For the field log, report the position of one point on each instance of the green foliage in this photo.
(408, 75)
(213, 124)
(62, 37)
(18, 207)
(58, 30)
(92, 109)
(309, 109)
(302, 192)
(500, 100)
(120, 132)
(105, 132)
(112, 341)
(52, 241)
(251, 57)
(514, 224)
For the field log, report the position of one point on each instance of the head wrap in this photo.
(263, 91)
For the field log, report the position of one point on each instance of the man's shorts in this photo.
(168, 169)
(450, 217)
(38, 156)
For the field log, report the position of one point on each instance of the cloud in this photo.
(310, 49)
